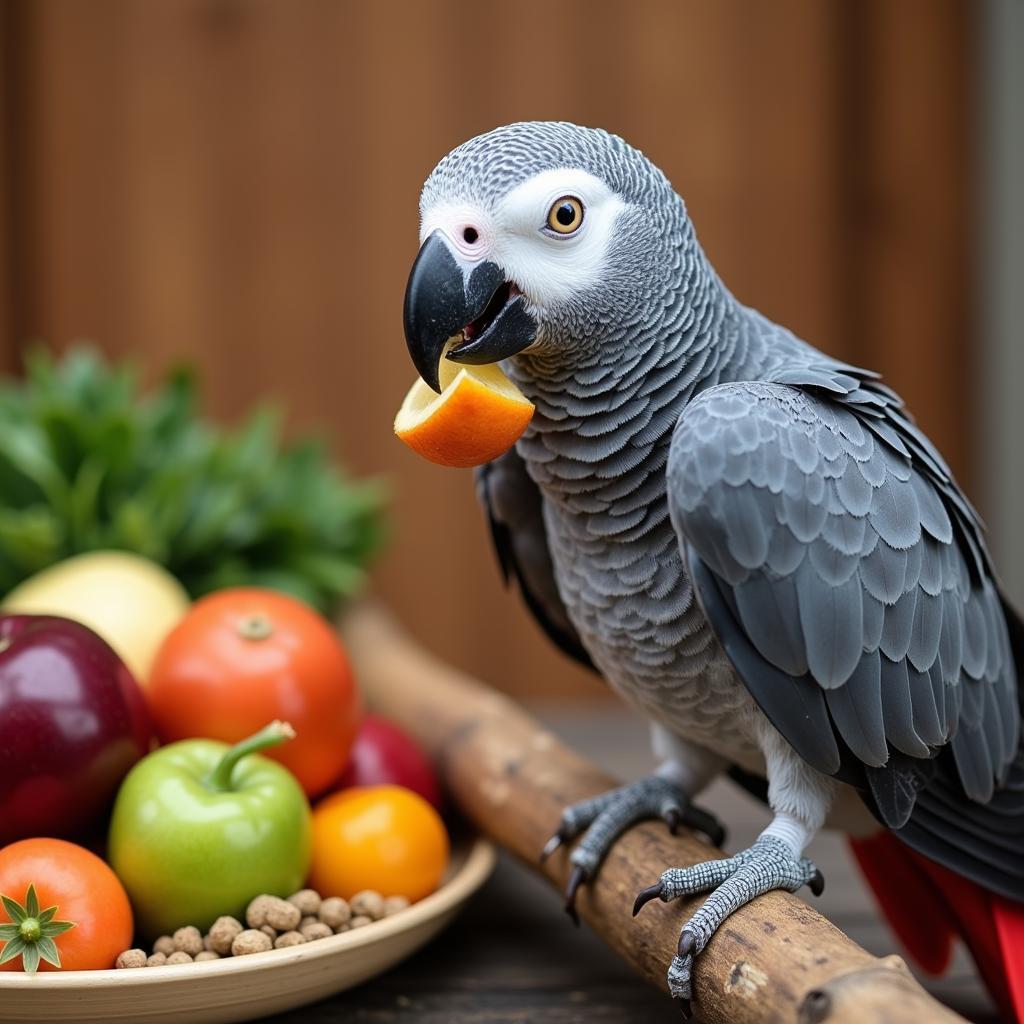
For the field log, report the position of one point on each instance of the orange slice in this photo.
(478, 416)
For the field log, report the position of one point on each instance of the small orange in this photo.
(377, 837)
(478, 416)
(84, 890)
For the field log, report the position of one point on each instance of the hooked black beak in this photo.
(446, 297)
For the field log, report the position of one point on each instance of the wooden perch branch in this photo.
(774, 960)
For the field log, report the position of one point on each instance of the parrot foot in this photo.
(733, 882)
(604, 818)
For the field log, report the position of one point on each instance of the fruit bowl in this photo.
(247, 987)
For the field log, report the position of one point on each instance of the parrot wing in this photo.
(846, 577)
(513, 505)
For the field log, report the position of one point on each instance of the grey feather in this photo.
(831, 617)
(912, 575)
(805, 518)
(999, 756)
(940, 699)
(975, 637)
(795, 705)
(747, 527)
(894, 514)
(855, 493)
(951, 637)
(770, 614)
(927, 629)
(895, 789)
(874, 471)
(785, 552)
(884, 573)
(856, 708)
(974, 763)
(834, 567)
(928, 720)
(899, 627)
(972, 705)
(934, 518)
(930, 575)
(898, 709)
(874, 614)
(845, 533)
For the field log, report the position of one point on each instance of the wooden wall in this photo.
(235, 182)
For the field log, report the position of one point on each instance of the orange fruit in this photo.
(84, 890)
(385, 838)
(478, 416)
(244, 656)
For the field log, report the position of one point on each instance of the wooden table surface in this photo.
(513, 955)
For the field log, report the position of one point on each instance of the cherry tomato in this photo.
(384, 753)
(84, 890)
(245, 656)
(377, 837)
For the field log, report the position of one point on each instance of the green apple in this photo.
(200, 828)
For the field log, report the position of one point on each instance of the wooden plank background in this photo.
(235, 182)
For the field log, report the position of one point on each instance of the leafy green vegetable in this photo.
(86, 462)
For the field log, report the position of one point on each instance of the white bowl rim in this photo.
(475, 868)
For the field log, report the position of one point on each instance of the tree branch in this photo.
(774, 960)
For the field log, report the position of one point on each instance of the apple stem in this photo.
(269, 736)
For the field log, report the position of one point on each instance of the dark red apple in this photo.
(72, 722)
(384, 753)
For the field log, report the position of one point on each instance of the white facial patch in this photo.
(470, 231)
(549, 268)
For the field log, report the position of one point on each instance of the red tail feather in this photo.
(928, 905)
(1010, 929)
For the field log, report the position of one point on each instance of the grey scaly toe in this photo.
(733, 882)
(604, 818)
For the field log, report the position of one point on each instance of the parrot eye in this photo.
(565, 215)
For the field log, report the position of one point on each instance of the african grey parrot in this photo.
(749, 540)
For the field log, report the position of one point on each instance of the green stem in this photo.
(255, 627)
(30, 933)
(269, 736)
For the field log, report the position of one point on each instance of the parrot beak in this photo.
(447, 297)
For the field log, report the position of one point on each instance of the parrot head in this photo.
(540, 237)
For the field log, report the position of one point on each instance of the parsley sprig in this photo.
(87, 462)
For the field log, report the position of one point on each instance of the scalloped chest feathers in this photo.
(632, 603)
(598, 449)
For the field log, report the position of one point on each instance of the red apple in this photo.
(383, 753)
(72, 722)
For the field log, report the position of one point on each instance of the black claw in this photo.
(576, 879)
(684, 1007)
(551, 845)
(716, 834)
(673, 819)
(644, 896)
(687, 941)
(817, 883)
(702, 821)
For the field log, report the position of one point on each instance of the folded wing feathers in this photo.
(852, 557)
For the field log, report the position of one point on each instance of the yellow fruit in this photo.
(478, 416)
(131, 602)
